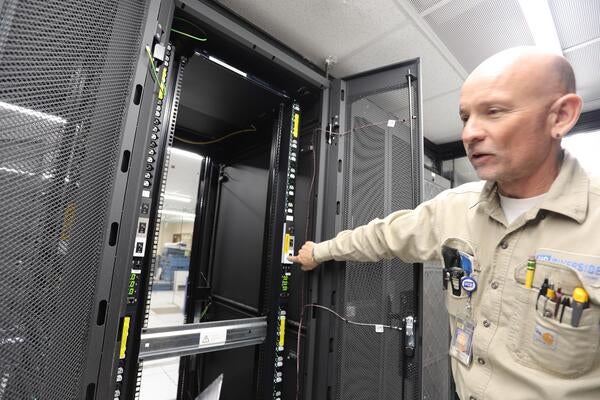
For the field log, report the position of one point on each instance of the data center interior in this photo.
(156, 178)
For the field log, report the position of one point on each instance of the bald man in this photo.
(510, 339)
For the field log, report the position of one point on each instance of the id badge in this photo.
(461, 346)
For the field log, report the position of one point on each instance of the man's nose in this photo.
(472, 131)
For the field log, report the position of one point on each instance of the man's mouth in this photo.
(478, 157)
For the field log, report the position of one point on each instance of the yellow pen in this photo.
(530, 272)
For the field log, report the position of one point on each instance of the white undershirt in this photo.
(513, 208)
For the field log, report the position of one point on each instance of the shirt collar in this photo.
(568, 194)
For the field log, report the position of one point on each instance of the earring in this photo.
(557, 136)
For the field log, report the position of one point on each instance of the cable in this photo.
(253, 129)
(204, 311)
(204, 277)
(346, 320)
(361, 127)
(153, 69)
(312, 181)
(188, 35)
(191, 23)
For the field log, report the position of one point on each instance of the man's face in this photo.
(505, 131)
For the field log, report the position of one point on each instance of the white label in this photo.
(379, 328)
(350, 311)
(142, 226)
(145, 193)
(212, 337)
(391, 123)
(140, 247)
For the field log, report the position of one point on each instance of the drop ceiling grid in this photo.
(422, 5)
(474, 30)
(317, 29)
(586, 63)
(576, 21)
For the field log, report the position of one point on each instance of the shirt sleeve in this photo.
(411, 235)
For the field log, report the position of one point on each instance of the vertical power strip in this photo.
(286, 251)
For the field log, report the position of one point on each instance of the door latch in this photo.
(409, 336)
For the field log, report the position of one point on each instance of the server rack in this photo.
(116, 345)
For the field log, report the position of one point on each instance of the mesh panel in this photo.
(371, 364)
(436, 335)
(66, 66)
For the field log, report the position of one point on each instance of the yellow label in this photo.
(296, 124)
(68, 220)
(286, 244)
(124, 336)
(281, 330)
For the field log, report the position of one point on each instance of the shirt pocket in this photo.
(457, 304)
(540, 340)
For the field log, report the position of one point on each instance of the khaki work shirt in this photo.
(518, 352)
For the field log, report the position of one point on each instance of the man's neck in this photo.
(533, 185)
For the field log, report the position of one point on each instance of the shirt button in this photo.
(495, 285)
(481, 361)
(486, 323)
(504, 245)
(472, 398)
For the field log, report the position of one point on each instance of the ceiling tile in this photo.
(441, 123)
(576, 21)
(473, 30)
(318, 29)
(586, 63)
(404, 43)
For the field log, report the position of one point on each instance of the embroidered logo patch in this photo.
(544, 337)
(589, 270)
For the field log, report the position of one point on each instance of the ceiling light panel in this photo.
(476, 29)
(541, 24)
(576, 21)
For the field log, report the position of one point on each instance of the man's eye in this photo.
(494, 111)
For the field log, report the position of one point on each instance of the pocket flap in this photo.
(585, 267)
(561, 276)
(451, 247)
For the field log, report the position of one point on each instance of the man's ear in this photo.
(565, 113)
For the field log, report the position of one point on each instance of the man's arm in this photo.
(411, 235)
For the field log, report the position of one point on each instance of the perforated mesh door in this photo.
(380, 180)
(65, 76)
(434, 320)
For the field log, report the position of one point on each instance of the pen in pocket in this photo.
(542, 292)
(557, 300)
(566, 302)
(530, 272)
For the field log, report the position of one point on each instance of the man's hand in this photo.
(305, 257)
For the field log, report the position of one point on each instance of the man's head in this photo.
(516, 106)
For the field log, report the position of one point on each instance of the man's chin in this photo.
(485, 174)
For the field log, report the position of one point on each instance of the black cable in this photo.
(312, 182)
